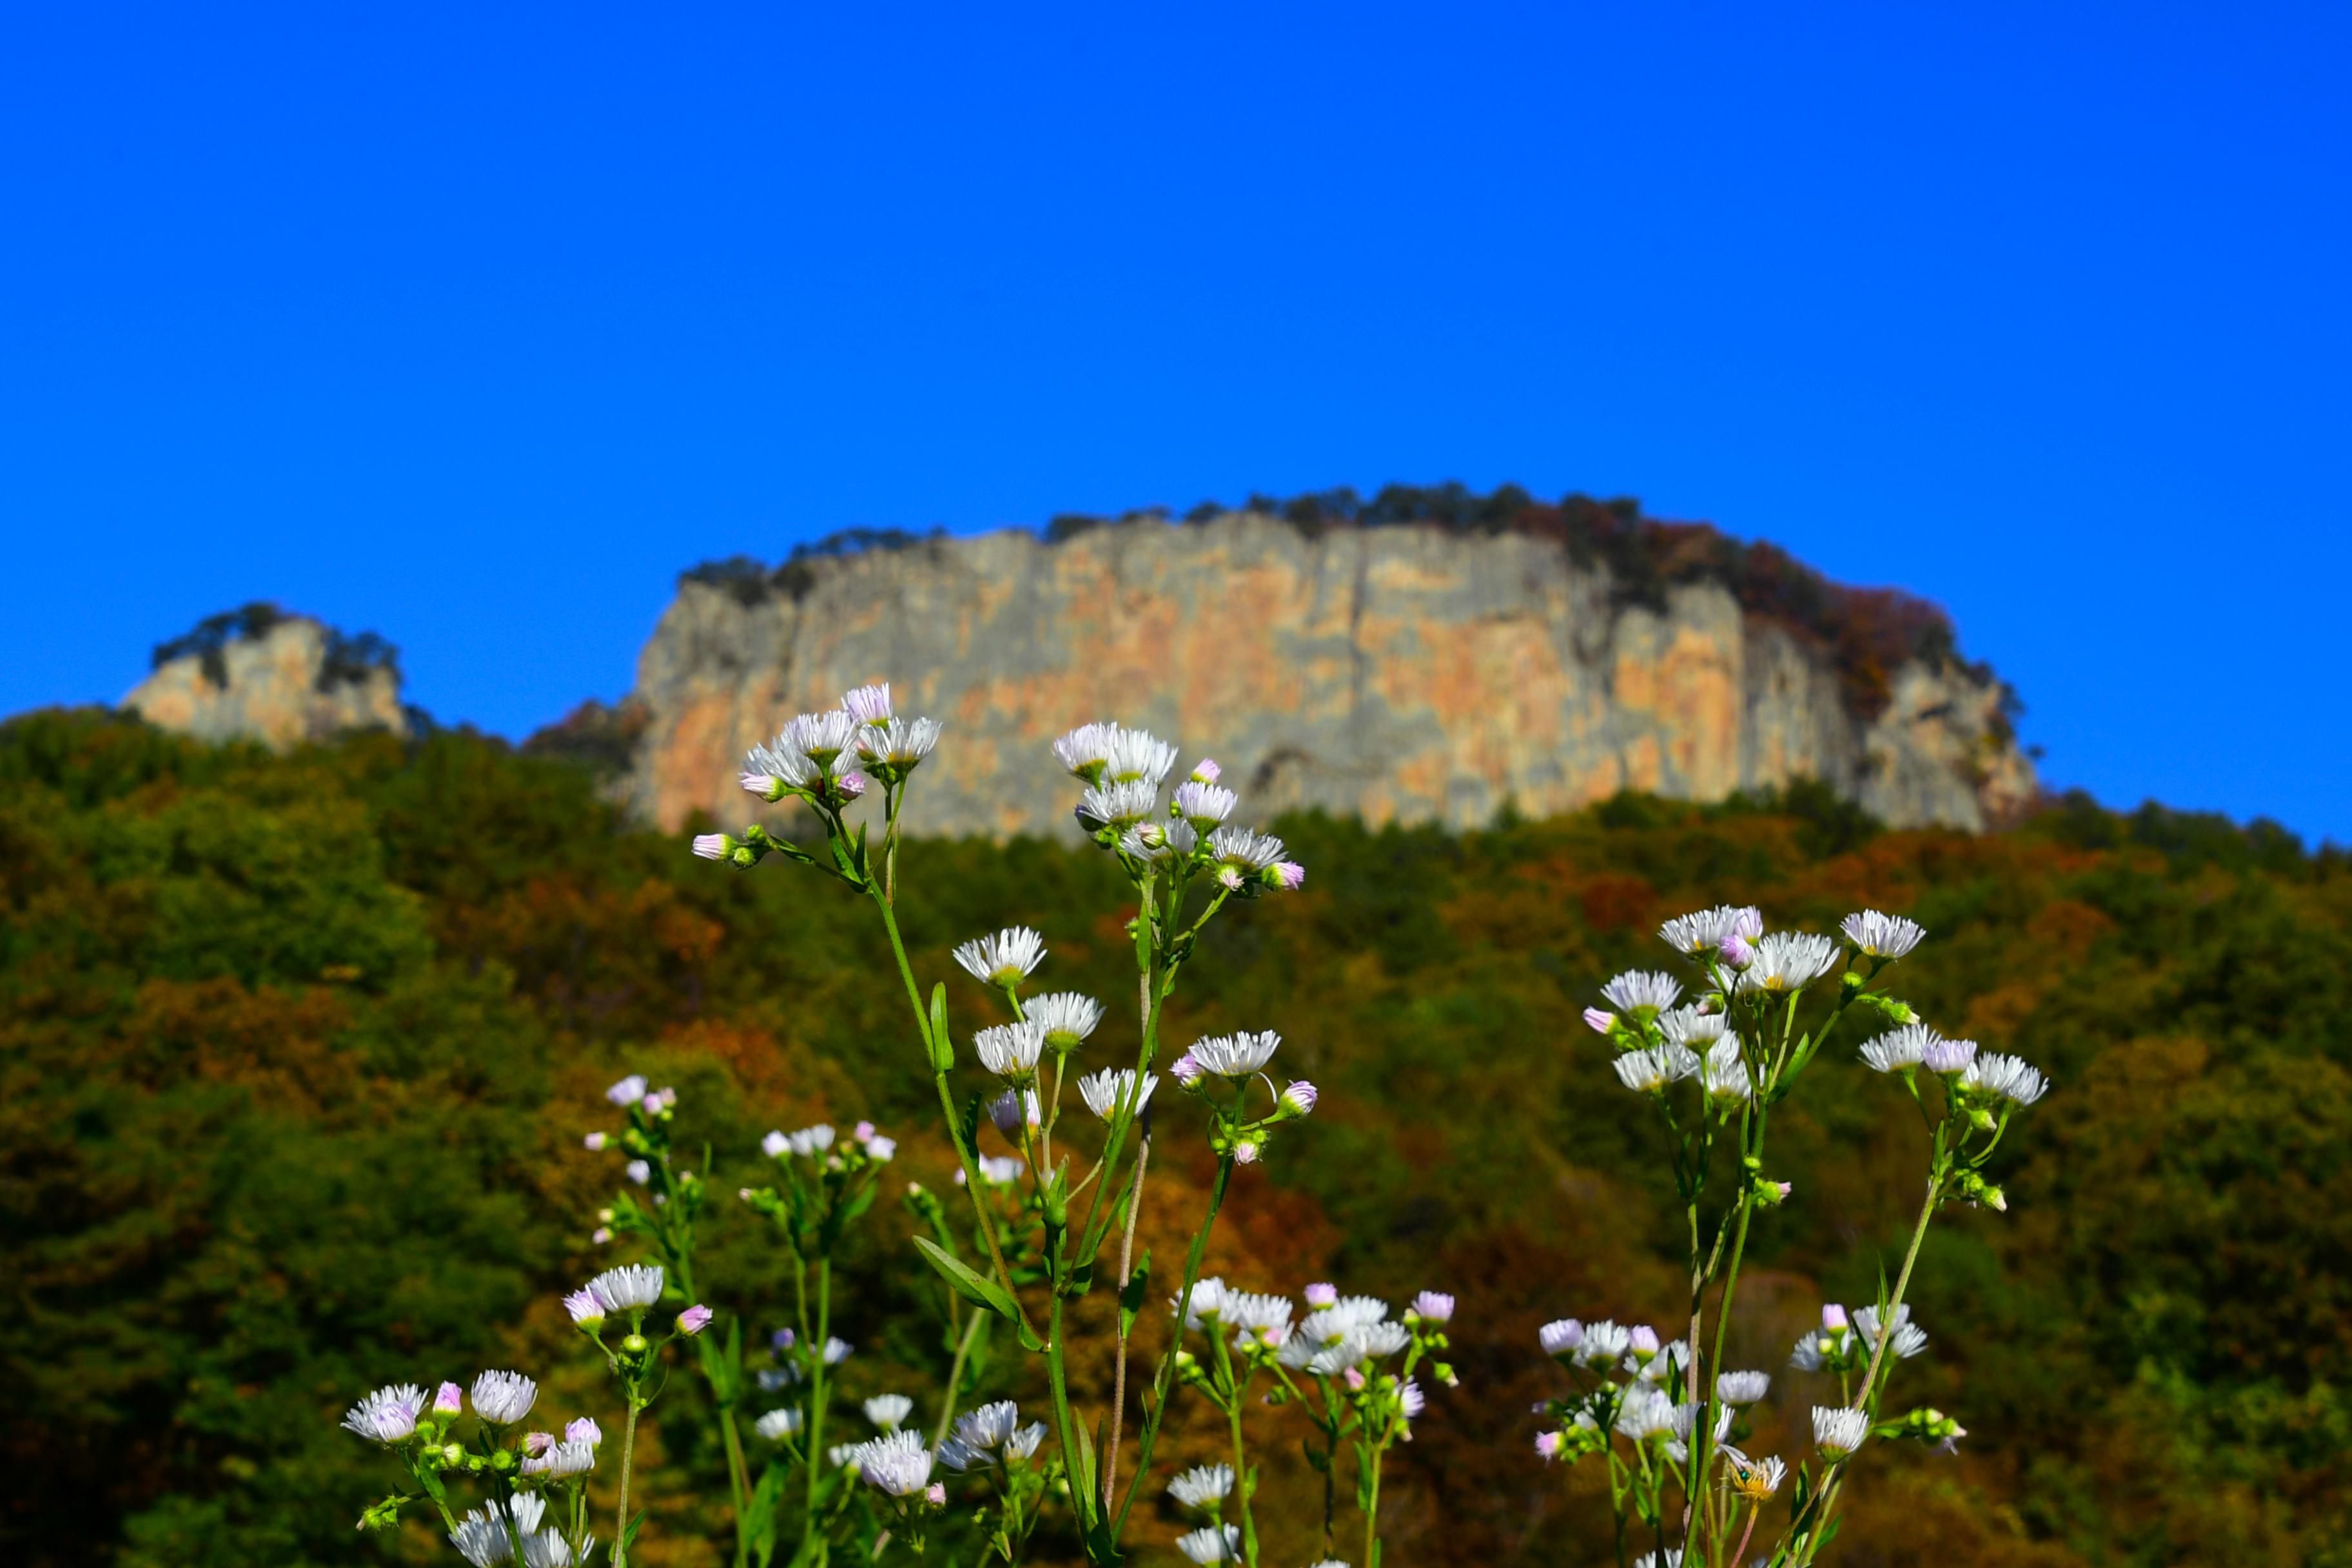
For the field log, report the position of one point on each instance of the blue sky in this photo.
(474, 325)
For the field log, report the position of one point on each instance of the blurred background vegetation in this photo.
(296, 1052)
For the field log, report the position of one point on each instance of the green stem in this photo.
(735, 1478)
(1149, 1436)
(1240, 1458)
(955, 1372)
(1373, 1518)
(628, 1455)
(815, 1425)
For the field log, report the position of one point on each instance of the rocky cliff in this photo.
(260, 674)
(1407, 673)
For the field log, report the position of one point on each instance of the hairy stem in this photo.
(628, 1455)
(1151, 1417)
(955, 1371)
(1119, 1365)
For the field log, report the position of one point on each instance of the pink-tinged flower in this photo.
(504, 1398)
(652, 1104)
(1562, 1337)
(1736, 952)
(694, 1320)
(1642, 1341)
(1287, 875)
(935, 1494)
(1598, 1020)
(1833, 1317)
(1207, 771)
(863, 1133)
(879, 1148)
(449, 1400)
(629, 1090)
(1321, 1296)
(601, 1234)
(851, 783)
(713, 846)
(1410, 1400)
(1433, 1306)
(584, 1430)
(537, 1442)
(1355, 1379)
(762, 784)
(1247, 1155)
(593, 1142)
(1299, 1099)
(869, 704)
(1547, 1444)
(1187, 1069)
(386, 1416)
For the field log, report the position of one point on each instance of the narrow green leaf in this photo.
(1132, 1295)
(971, 1287)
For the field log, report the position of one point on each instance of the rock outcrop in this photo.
(257, 674)
(1404, 673)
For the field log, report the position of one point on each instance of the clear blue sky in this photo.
(474, 324)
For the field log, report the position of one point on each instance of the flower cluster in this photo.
(1124, 771)
(535, 1505)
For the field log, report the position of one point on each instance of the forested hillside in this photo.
(296, 1054)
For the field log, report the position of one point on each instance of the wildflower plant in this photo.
(1714, 1055)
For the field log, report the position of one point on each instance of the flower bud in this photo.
(593, 1142)
(1599, 1020)
(1297, 1101)
(1736, 952)
(1321, 1296)
(1833, 1318)
(694, 1320)
(449, 1400)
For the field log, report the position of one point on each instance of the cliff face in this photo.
(288, 681)
(1401, 673)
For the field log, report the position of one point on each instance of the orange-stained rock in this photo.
(269, 689)
(1401, 673)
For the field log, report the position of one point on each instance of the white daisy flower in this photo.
(1010, 1050)
(1698, 935)
(765, 767)
(1899, 1048)
(897, 1464)
(1116, 805)
(1204, 804)
(1837, 1432)
(1205, 1305)
(1638, 988)
(1603, 1344)
(1023, 1443)
(988, 1426)
(1692, 1027)
(1266, 1317)
(1909, 1337)
(889, 1410)
(1752, 1480)
(482, 1541)
(1241, 854)
(1649, 1071)
(809, 1141)
(1788, 961)
(561, 1460)
(898, 743)
(1881, 936)
(1725, 1073)
(388, 1414)
(1743, 1387)
(1235, 1056)
(1106, 1090)
(628, 1091)
(1948, 1055)
(546, 1550)
(1646, 1412)
(628, 1290)
(1994, 1073)
(1066, 1018)
(1203, 1485)
(1212, 1543)
(1008, 958)
(1085, 749)
(1001, 1169)
(1014, 1109)
(777, 1425)
(503, 1398)
(1560, 1337)
(822, 738)
(1136, 756)
(869, 704)
(836, 1350)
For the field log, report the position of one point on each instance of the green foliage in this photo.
(295, 1053)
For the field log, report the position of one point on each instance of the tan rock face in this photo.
(1401, 673)
(271, 693)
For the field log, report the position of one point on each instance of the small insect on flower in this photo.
(1203, 1485)
(386, 1416)
(1837, 1432)
(1752, 1480)
(1212, 1543)
(503, 1398)
(1106, 1091)
(1010, 1050)
(777, 1425)
(1006, 958)
(1900, 1050)
(889, 1410)
(1235, 1056)
(1881, 936)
